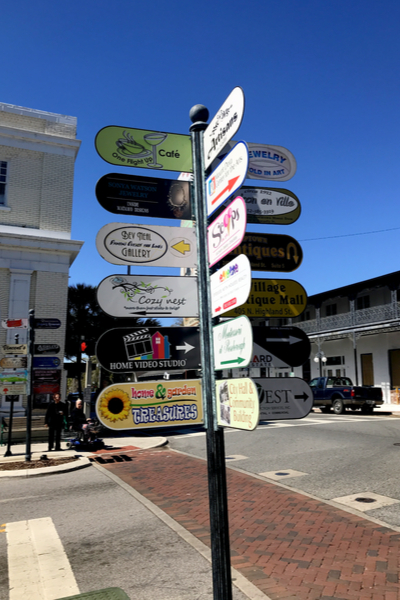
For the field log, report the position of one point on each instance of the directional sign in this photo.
(144, 196)
(14, 323)
(280, 347)
(141, 148)
(8, 376)
(133, 349)
(14, 363)
(237, 403)
(151, 404)
(47, 323)
(227, 177)
(230, 286)
(270, 205)
(158, 246)
(143, 296)
(224, 125)
(233, 343)
(270, 252)
(15, 348)
(49, 375)
(12, 389)
(283, 398)
(270, 163)
(271, 298)
(46, 362)
(227, 231)
(46, 349)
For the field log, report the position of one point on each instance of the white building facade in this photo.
(355, 331)
(37, 157)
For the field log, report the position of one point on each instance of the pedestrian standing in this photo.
(54, 420)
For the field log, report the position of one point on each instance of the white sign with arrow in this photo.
(224, 125)
(283, 398)
(233, 343)
(227, 177)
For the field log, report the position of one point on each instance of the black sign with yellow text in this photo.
(269, 252)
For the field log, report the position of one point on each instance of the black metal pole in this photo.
(220, 553)
(10, 423)
(31, 334)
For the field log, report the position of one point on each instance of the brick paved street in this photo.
(289, 545)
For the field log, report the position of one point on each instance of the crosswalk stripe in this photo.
(38, 566)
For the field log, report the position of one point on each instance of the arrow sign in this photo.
(270, 252)
(227, 177)
(161, 246)
(135, 349)
(14, 363)
(14, 323)
(224, 125)
(47, 323)
(233, 343)
(290, 345)
(283, 398)
(144, 196)
(237, 403)
(142, 295)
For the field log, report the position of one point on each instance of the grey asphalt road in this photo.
(339, 455)
(110, 538)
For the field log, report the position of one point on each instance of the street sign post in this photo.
(144, 296)
(270, 252)
(11, 389)
(145, 149)
(230, 286)
(47, 323)
(224, 125)
(280, 347)
(11, 375)
(144, 196)
(233, 344)
(269, 163)
(270, 205)
(283, 398)
(46, 362)
(135, 349)
(273, 298)
(21, 362)
(156, 246)
(46, 349)
(14, 323)
(227, 177)
(237, 403)
(150, 404)
(227, 231)
(15, 348)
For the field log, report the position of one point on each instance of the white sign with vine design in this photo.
(145, 296)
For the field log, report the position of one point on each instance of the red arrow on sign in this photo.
(228, 188)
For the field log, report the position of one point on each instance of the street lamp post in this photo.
(320, 358)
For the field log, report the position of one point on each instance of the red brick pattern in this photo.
(288, 545)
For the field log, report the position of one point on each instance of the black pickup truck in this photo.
(339, 393)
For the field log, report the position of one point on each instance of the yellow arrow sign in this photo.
(182, 247)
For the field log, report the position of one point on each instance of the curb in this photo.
(80, 463)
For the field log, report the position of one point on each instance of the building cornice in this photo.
(38, 142)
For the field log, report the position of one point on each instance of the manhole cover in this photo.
(279, 473)
(365, 500)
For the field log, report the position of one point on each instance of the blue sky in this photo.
(320, 78)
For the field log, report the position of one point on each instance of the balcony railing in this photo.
(366, 316)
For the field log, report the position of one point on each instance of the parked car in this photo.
(339, 393)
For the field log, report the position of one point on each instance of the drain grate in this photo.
(365, 500)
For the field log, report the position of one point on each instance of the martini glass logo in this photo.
(128, 146)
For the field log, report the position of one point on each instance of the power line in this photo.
(331, 237)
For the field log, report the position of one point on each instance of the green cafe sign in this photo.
(145, 149)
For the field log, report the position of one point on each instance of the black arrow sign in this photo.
(303, 397)
(269, 252)
(289, 344)
(134, 349)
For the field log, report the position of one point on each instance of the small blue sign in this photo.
(45, 362)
